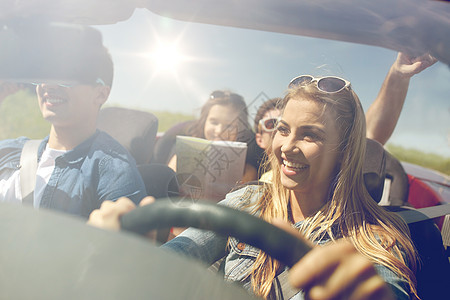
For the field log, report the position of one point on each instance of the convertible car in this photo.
(47, 255)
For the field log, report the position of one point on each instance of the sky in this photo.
(163, 64)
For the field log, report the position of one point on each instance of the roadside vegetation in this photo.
(427, 160)
(167, 119)
(20, 116)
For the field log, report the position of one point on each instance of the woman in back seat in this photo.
(224, 117)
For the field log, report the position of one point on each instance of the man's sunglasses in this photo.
(98, 81)
(328, 84)
(269, 124)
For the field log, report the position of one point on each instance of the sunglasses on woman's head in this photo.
(328, 84)
(222, 94)
(268, 124)
(217, 94)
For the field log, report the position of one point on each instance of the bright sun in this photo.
(166, 58)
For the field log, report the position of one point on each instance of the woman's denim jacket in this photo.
(208, 247)
(96, 170)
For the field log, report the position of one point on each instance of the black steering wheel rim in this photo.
(223, 220)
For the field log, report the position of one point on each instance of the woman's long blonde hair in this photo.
(379, 235)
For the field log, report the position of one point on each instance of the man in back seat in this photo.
(78, 166)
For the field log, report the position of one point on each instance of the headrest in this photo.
(374, 169)
(135, 130)
(164, 147)
(160, 180)
(398, 192)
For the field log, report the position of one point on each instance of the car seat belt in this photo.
(421, 214)
(446, 231)
(28, 168)
(284, 287)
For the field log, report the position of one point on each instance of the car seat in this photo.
(160, 180)
(422, 195)
(433, 271)
(164, 146)
(399, 184)
(134, 129)
(374, 169)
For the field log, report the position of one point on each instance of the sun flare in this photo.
(166, 58)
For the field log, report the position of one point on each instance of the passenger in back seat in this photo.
(224, 117)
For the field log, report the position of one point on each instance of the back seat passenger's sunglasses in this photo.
(328, 84)
(268, 124)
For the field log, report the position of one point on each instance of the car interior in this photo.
(32, 246)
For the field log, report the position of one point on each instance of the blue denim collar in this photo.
(76, 154)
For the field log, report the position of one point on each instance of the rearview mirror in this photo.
(36, 51)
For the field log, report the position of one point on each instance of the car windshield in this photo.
(175, 66)
(155, 102)
(170, 67)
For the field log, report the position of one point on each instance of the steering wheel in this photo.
(58, 256)
(223, 220)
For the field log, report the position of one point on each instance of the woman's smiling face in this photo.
(306, 145)
(222, 123)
